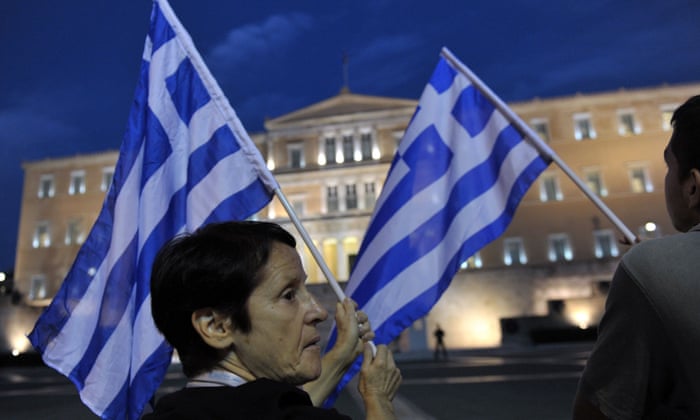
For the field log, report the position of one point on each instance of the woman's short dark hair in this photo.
(218, 266)
(685, 141)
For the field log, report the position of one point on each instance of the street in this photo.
(520, 383)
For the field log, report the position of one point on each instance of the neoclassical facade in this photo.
(331, 159)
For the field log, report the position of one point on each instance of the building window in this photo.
(351, 246)
(640, 181)
(74, 233)
(626, 123)
(366, 146)
(605, 244)
(298, 206)
(332, 198)
(351, 196)
(77, 183)
(38, 288)
(666, 115)
(541, 127)
(370, 195)
(46, 186)
(472, 262)
(583, 128)
(560, 248)
(329, 148)
(549, 188)
(42, 235)
(295, 155)
(348, 148)
(514, 252)
(329, 248)
(107, 178)
(594, 181)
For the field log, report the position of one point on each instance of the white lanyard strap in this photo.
(215, 378)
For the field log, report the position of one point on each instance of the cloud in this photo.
(385, 48)
(261, 40)
(386, 62)
(24, 129)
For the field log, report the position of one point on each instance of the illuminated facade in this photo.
(331, 159)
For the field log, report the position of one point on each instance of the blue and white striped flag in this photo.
(185, 161)
(457, 177)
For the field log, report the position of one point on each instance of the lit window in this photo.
(38, 288)
(298, 206)
(541, 127)
(472, 262)
(639, 180)
(107, 177)
(626, 123)
(46, 186)
(350, 197)
(332, 198)
(348, 148)
(666, 115)
(583, 128)
(560, 248)
(605, 244)
(295, 155)
(330, 254)
(594, 181)
(77, 183)
(351, 246)
(514, 252)
(74, 232)
(329, 148)
(370, 195)
(549, 188)
(42, 236)
(366, 146)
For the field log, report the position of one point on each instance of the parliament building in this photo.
(549, 271)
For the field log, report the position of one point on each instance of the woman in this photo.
(232, 301)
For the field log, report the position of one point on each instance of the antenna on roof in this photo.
(346, 84)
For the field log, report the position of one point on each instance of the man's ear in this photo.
(692, 189)
(215, 328)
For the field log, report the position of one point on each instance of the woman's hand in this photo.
(379, 381)
(353, 331)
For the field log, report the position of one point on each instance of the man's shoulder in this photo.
(657, 254)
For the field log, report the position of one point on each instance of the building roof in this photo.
(343, 104)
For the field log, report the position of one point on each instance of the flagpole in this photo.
(539, 144)
(310, 244)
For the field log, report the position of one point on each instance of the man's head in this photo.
(682, 156)
(218, 267)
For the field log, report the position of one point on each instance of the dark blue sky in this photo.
(68, 69)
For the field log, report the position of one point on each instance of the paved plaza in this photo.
(518, 383)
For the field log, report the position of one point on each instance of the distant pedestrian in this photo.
(440, 343)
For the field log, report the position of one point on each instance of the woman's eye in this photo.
(289, 294)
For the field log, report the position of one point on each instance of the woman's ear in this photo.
(692, 189)
(215, 328)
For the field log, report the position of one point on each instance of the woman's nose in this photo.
(316, 313)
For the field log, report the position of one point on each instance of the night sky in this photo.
(68, 69)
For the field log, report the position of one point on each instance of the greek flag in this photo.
(457, 177)
(185, 161)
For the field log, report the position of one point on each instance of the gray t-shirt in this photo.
(646, 361)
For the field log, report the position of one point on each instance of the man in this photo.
(645, 363)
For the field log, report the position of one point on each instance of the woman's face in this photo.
(283, 342)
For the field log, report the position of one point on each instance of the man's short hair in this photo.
(218, 266)
(685, 141)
